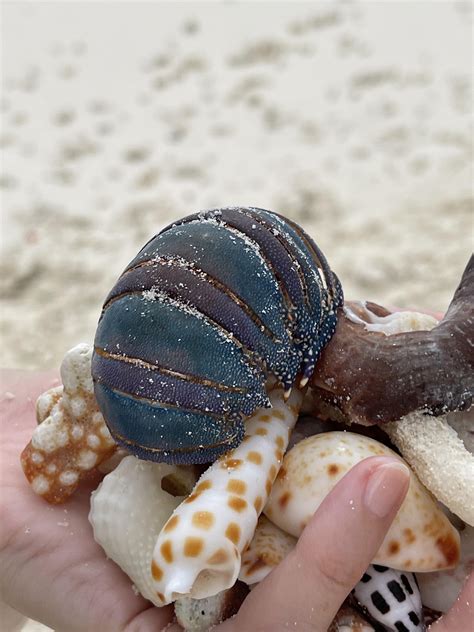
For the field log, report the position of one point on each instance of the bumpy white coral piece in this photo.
(440, 459)
(421, 538)
(198, 552)
(71, 438)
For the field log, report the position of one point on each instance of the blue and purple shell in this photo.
(209, 309)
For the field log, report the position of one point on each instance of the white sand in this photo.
(353, 119)
(118, 117)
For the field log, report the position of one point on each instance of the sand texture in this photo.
(353, 119)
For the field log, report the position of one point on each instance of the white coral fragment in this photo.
(440, 459)
(71, 438)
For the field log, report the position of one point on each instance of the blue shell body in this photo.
(207, 310)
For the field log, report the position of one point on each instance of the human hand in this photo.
(53, 570)
(308, 587)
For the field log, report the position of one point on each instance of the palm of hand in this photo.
(53, 570)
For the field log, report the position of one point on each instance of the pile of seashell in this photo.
(225, 369)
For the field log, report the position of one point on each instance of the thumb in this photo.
(461, 615)
(333, 552)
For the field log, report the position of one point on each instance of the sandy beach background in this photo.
(355, 119)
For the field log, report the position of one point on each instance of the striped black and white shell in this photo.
(391, 598)
(209, 309)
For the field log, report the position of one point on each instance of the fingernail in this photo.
(386, 487)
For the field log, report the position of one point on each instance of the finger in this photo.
(461, 616)
(333, 552)
(152, 620)
(78, 588)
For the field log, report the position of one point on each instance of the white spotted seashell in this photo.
(391, 598)
(440, 590)
(421, 538)
(128, 511)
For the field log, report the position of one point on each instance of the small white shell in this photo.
(441, 589)
(392, 598)
(421, 538)
(269, 546)
(128, 510)
(348, 620)
(395, 323)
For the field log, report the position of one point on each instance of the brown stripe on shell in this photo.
(252, 357)
(171, 372)
(193, 269)
(169, 405)
(229, 441)
(283, 241)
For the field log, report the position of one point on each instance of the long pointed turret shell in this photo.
(198, 551)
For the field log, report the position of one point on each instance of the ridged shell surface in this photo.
(128, 511)
(206, 311)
